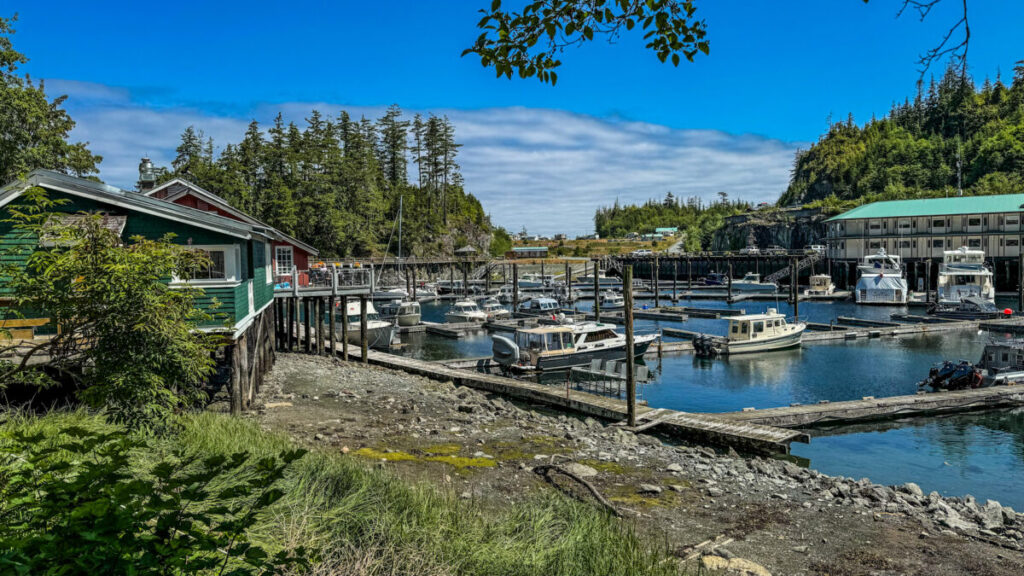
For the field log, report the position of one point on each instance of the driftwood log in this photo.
(545, 471)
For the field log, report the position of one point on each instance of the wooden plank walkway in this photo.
(868, 409)
(711, 429)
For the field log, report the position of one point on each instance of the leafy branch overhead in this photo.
(529, 42)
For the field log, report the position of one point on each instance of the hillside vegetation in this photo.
(696, 220)
(914, 152)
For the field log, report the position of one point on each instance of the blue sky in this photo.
(618, 125)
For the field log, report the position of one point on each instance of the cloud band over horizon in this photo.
(545, 169)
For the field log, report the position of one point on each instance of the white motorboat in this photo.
(426, 293)
(379, 333)
(465, 311)
(752, 333)
(533, 280)
(390, 294)
(963, 274)
(610, 300)
(506, 293)
(602, 280)
(751, 282)
(404, 313)
(820, 285)
(561, 346)
(494, 310)
(881, 280)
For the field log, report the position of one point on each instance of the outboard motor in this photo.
(504, 351)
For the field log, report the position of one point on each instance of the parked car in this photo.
(776, 251)
(642, 252)
(819, 248)
(750, 250)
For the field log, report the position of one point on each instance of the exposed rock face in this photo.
(790, 229)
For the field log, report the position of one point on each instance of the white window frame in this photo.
(277, 259)
(268, 262)
(232, 263)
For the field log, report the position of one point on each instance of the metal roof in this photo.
(131, 200)
(526, 248)
(191, 187)
(936, 207)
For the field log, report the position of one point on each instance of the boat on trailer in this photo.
(751, 333)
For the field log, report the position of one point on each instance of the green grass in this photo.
(364, 520)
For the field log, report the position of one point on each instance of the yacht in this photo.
(465, 311)
(404, 313)
(752, 333)
(881, 280)
(820, 285)
(963, 275)
(561, 346)
(539, 307)
(379, 333)
(390, 294)
(602, 280)
(494, 310)
(610, 300)
(751, 282)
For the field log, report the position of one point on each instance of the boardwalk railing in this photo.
(329, 278)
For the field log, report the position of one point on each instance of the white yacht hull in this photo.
(884, 290)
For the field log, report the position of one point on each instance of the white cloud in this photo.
(545, 169)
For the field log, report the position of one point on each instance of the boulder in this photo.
(581, 470)
(912, 489)
(733, 566)
(649, 489)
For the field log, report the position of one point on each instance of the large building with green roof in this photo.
(922, 229)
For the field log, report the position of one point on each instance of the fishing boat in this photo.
(820, 285)
(494, 310)
(970, 308)
(963, 274)
(562, 346)
(404, 313)
(465, 311)
(881, 280)
(539, 307)
(533, 280)
(716, 279)
(751, 282)
(610, 300)
(379, 332)
(752, 333)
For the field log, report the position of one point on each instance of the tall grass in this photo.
(366, 521)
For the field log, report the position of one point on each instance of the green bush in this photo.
(75, 502)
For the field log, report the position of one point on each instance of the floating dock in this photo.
(869, 408)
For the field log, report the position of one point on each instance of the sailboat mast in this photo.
(400, 198)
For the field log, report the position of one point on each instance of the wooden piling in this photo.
(729, 282)
(319, 305)
(627, 292)
(515, 287)
(794, 278)
(414, 282)
(675, 279)
(363, 344)
(305, 313)
(689, 274)
(655, 273)
(1020, 284)
(597, 294)
(344, 328)
(331, 315)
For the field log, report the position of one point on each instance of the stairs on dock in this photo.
(803, 263)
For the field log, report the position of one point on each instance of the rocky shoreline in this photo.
(744, 515)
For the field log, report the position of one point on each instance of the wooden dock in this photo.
(868, 409)
(457, 330)
(711, 429)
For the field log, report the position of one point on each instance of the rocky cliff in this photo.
(788, 228)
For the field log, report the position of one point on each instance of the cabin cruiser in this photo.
(602, 280)
(390, 294)
(752, 333)
(426, 292)
(506, 293)
(970, 308)
(881, 280)
(820, 285)
(610, 300)
(716, 279)
(751, 282)
(962, 275)
(561, 346)
(404, 313)
(532, 280)
(465, 311)
(379, 333)
(494, 310)
(539, 307)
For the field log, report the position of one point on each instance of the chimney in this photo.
(147, 175)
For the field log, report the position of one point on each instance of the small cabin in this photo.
(540, 305)
(546, 339)
(753, 326)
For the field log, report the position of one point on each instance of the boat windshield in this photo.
(530, 340)
(354, 318)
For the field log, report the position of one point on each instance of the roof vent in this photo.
(147, 175)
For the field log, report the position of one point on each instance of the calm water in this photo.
(979, 454)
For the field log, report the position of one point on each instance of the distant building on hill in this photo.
(672, 231)
(528, 252)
